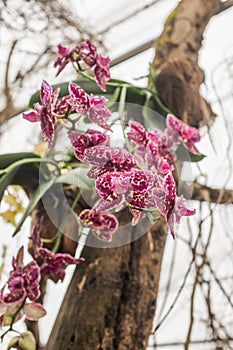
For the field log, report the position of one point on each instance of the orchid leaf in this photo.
(38, 194)
(77, 177)
(135, 95)
(152, 119)
(22, 169)
(184, 155)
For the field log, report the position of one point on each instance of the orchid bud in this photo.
(25, 341)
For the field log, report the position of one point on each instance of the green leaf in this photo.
(152, 75)
(6, 180)
(184, 155)
(23, 172)
(10, 158)
(114, 97)
(77, 177)
(152, 119)
(196, 157)
(135, 95)
(22, 169)
(88, 85)
(8, 175)
(38, 194)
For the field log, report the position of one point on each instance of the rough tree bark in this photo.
(111, 300)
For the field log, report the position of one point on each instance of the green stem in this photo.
(58, 235)
(121, 112)
(13, 318)
(64, 125)
(87, 76)
(26, 161)
(80, 71)
(59, 116)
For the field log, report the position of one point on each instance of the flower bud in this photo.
(25, 341)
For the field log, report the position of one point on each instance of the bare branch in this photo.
(124, 19)
(8, 110)
(205, 193)
(225, 6)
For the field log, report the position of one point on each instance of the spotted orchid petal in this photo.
(65, 56)
(112, 182)
(62, 105)
(101, 71)
(179, 210)
(188, 134)
(79, 100)
(47, 121)
(45, 92)
(32, 116)
(141, 180)
(137, 133)
(98, 112)
(112, 201)
(54, 265)
(87, 53)
(137, 200)
(80, 142)
(23, 280)
(103, 225)
(109, 160)
(62, 50)
(138, 216)
(165, 194)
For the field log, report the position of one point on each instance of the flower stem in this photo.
(58, 235)
(13, 318)
(121, 112)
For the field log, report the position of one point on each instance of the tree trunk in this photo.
(176, 60)
(111, 300)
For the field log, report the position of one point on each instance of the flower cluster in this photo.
(85, 55)
(139, 177)
(92, 107)
(44, 112)
(120, 181)
(156, 149)
(23, 285)
(51, 109)
(24, 281)
(51, 265)
(103, 224)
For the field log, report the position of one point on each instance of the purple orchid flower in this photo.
(133, 188)
(103, 225)
(23, 281)
(44, 112)
(52, 264)
(107, 159)
(93, 107)
(178, 211)
(85, 54)
(83, 141)
(65, 56)
(101, 71)
(188, 134)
